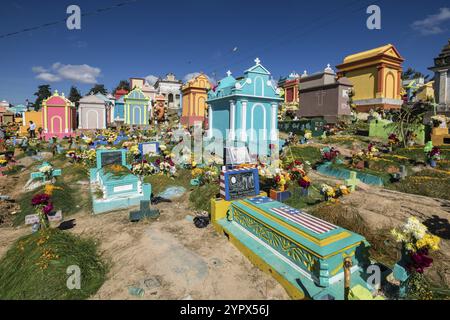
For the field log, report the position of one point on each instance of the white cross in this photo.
(257, 61)
(229, 73)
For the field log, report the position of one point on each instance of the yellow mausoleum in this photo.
(194, 99)
(376, 78)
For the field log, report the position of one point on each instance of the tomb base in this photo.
(280, 195)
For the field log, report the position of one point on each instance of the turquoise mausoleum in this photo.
(245, 110)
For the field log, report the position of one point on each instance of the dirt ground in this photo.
(171, 259)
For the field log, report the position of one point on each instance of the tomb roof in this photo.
(388, 50)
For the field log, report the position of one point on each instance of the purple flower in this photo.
(48, 208)
(420, 261)
(40, 199)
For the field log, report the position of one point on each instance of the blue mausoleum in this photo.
(245, 109)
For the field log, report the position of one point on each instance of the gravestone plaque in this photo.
(31, 219)
(237, 155)
(108, 158)
(238, 184)
(151, 148)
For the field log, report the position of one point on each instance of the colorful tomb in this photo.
(442, 79)
(323, 95)
(136, 108)
(59, 116)
(36, 117)
(92, 113)
(376, 78)
(304, 253)
(117, 192)
(194, 94)
(245, 109)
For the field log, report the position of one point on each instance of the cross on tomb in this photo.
(41, 175)
(144, 212)
(229, 73)
(352, 182)
(257, 61)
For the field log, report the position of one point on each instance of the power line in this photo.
(49, 24)
(290, 38)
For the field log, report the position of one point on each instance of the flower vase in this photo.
(400, 271)
(433, 163)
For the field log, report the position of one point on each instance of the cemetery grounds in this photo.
(170, 258)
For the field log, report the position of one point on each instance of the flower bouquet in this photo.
(46, 171)
(417, 243)
(43, 207)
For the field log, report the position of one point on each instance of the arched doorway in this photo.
(92, 120)
(56, 124)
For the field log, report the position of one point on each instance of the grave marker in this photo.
(239, 183)
(31, 219)
(352, 182)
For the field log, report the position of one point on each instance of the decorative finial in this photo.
(257, 61)
(329, 69)
(56, 92)
(229, 73)
(305, 74)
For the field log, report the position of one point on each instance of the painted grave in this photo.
(118, 192)
(304, 253)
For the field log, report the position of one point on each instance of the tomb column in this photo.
(273, 122)
(399, 84)
(244, 121)
(443, 86)
(380, 83)
(232, 119)
(210, 121)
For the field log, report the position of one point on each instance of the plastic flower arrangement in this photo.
(328, 192)
(3, 162)
(143, 168)
(418, 242)
(281, 179)
(46, 170)
(42, 206)
(329, 153)
(435, 154)
(166, 166)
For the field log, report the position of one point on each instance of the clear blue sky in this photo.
(156, 37)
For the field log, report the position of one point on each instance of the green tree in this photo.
(99, 88)
(44, 92)
(123, 84)
(411, 74)
(75, 96)
(408, 120)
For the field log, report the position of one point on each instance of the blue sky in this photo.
(152, 38)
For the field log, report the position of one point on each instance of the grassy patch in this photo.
(200, 198)
(301, 202)
(162, 182)
(382, 248)
(64, 198)
(304, 153)
(429, 183)
(35, 267)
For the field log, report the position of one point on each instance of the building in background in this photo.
(194, 99)
(92, 113)
(59, 116)
(441, 71)
(323, 95)
(170, 88)
(376, 78)
(245, 109)
(136, 108)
